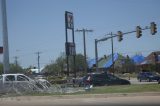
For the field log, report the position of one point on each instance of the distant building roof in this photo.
(138, 59)
(105, 62)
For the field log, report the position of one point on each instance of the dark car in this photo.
(148, 76)
(100, 79)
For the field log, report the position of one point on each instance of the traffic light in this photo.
(138, 32)
(120, 36)
(153, 28)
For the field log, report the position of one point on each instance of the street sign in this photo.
(1, 50)
(70, 49)
(69, 20)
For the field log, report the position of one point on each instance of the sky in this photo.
(39, 26)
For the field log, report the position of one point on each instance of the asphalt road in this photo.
(81, 101)
(135, 81)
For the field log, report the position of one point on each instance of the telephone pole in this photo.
(38, 54)
(16, 60)
(84, 42)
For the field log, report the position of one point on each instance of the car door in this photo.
(98, 79)
(9, 83)
(24, 83)
(113, 80)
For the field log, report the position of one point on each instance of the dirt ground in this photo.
(148, 99)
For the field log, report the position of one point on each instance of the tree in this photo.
(60, 62)
(1, 68)
(59, 66)
(16, 69)
(13, 69)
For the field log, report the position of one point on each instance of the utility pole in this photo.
(84, 42)
(5, 38)
(96, 55)
(38, 54)
(16, 60)
(112, 52)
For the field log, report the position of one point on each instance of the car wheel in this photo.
(149, 80)
(140, 80)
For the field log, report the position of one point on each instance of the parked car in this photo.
(148, 76)
(100, 79)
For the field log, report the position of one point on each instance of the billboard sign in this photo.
(69, 20)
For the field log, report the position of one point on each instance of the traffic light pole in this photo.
(112, 52)
(96, 54)
(153, 31)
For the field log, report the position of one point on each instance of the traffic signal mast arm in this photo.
(153, 29)
(115, 35)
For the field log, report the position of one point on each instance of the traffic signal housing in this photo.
(138, 32)
(120, 36)
(153, 28)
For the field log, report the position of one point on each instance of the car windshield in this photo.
(112, 76)
(10, 78)
(22, 78)
(150, 73)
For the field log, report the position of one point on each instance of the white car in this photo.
(10, 78)
(19, 83)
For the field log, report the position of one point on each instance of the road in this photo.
(135, 81)
(81, 101)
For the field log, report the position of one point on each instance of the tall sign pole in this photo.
(70, 46)
(5, 38)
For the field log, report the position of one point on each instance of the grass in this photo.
(124, 89)
(109, 89)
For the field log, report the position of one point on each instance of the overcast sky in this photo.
(38, 25)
